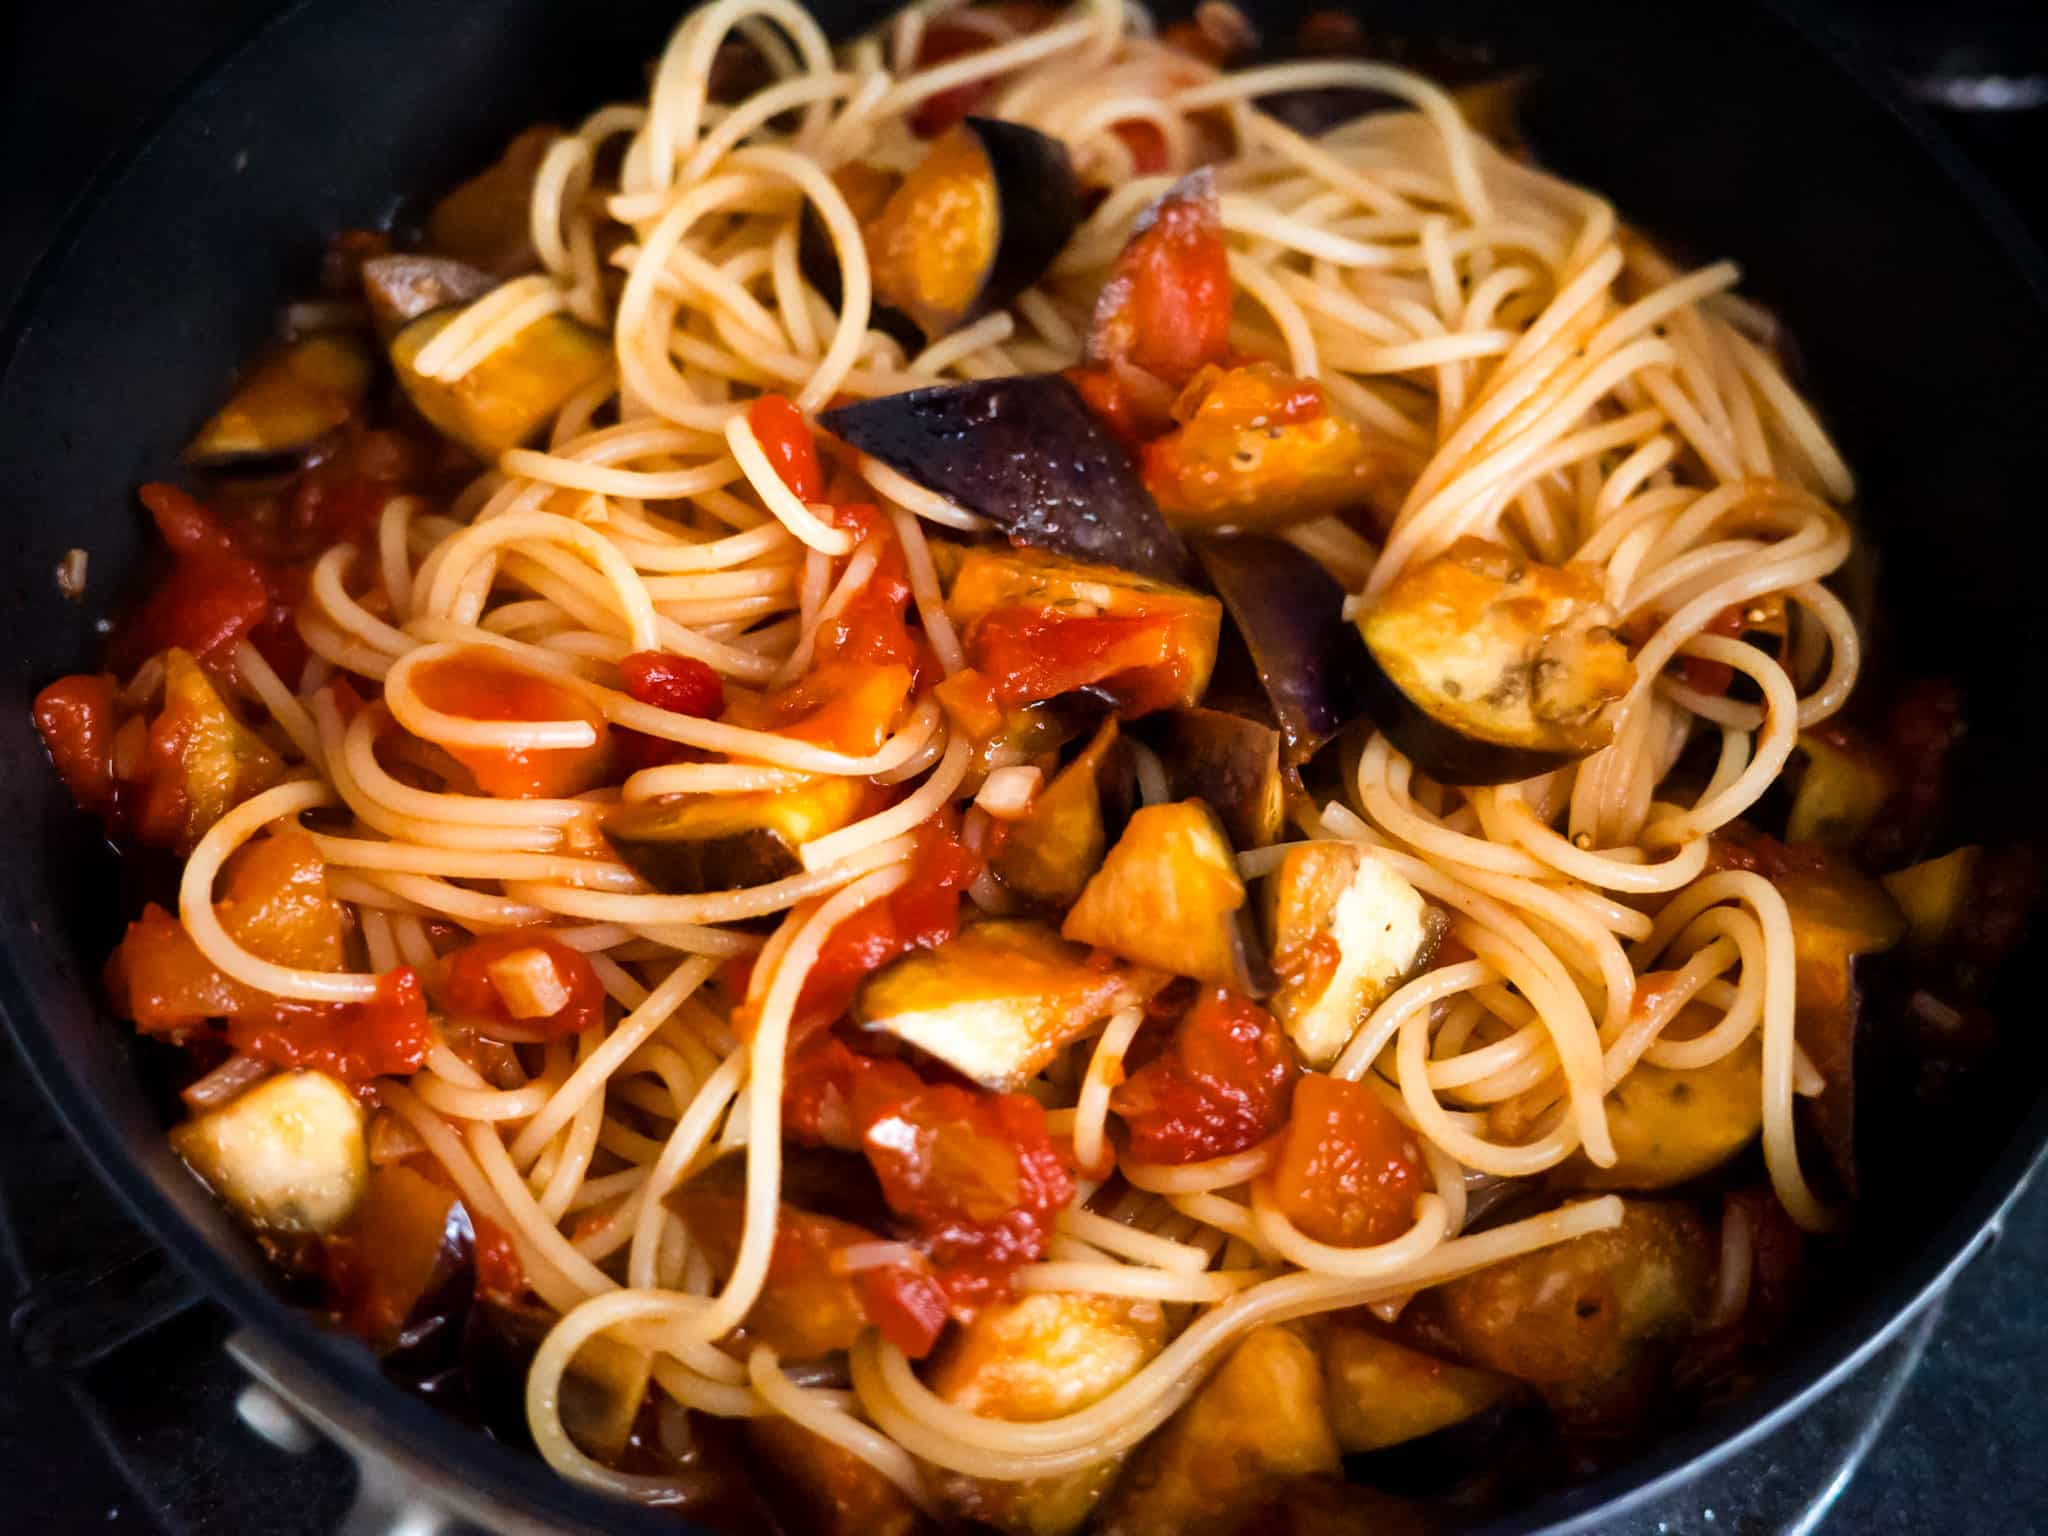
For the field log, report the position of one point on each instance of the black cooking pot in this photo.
(1919, 315)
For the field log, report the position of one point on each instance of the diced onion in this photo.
(1007, 793)
(528, 984)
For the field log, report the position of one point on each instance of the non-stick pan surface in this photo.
(1917, 307)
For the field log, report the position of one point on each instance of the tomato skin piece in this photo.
(478, 686)
(77, 718)
(470, 988)
(1166, 306)
(1147, 145)
(785, 437)
(1348, 1171)
(388, 1036)
(1222, 1084)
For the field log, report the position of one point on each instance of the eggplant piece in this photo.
(1048, 857)
(819, 1487)
(821, 1181)
(977, 222)
(1486, 667)
(487, 221)
(1841, 918)
(806, 1308)
(1674, 1124)
(1140, 668)
(866, 191)
(1257, 449)
(697, 843)
(510, 397)
(1027, 454)
(1290, 612)
(1846, 782)
(287, 1156)
(1338, 1506)
(1041, 1356)
(1167, 897)
(399, 289)
(602, 1391)
(292, 398)
(394, 1258)
(1344, 930)
(219, 761)
(1383, 1393)
(997, 1002)
(1594, 1323)
(1933, 895)
(1262, 1419)
(1231, 763)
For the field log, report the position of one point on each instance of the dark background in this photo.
(1959, 1452)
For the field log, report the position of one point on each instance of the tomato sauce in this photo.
(471, 990)
(1348, 1171)
(476, 685)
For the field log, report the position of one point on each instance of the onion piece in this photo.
(230, 1080)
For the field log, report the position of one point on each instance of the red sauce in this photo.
(78, 717)
(944, 40)
(922, 913)
(213, 596)
(471, 991)
(477, 685)
(499, 1271)
(1029, 654)
(1222, 1084)
(780, 428)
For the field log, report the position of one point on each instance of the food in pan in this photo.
(1038, 774)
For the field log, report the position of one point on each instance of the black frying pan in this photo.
(1917, 305)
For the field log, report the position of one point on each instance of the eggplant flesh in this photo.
(1168, 897)
(511, 395)
(1290, 612)
(1671, 1124)
(1026, 453)
(1485, 667)
(288, 401)
(1048, 857)
(998, 1002)
(975, 224)
(399, 289)
(704, 843)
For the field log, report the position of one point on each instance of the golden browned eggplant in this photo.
(725, 842)
(289, 400)
(1167, 897)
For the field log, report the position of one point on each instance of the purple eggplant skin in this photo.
(1437, 751)
(1231, 762)
(1027, 454)
(1040, 207)
(1290, 611)
(819, 262)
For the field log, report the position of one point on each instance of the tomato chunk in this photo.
(389, 1036)
(1222, 1084)
(472, 991)
(212, 597)
(1349, 1171)
(682, 685)
(78, 717)
(478, 685)
(1030, 654)
(973, 1177)
(786, 439)
(1166, 306)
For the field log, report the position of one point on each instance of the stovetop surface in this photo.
(1938, 1433)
